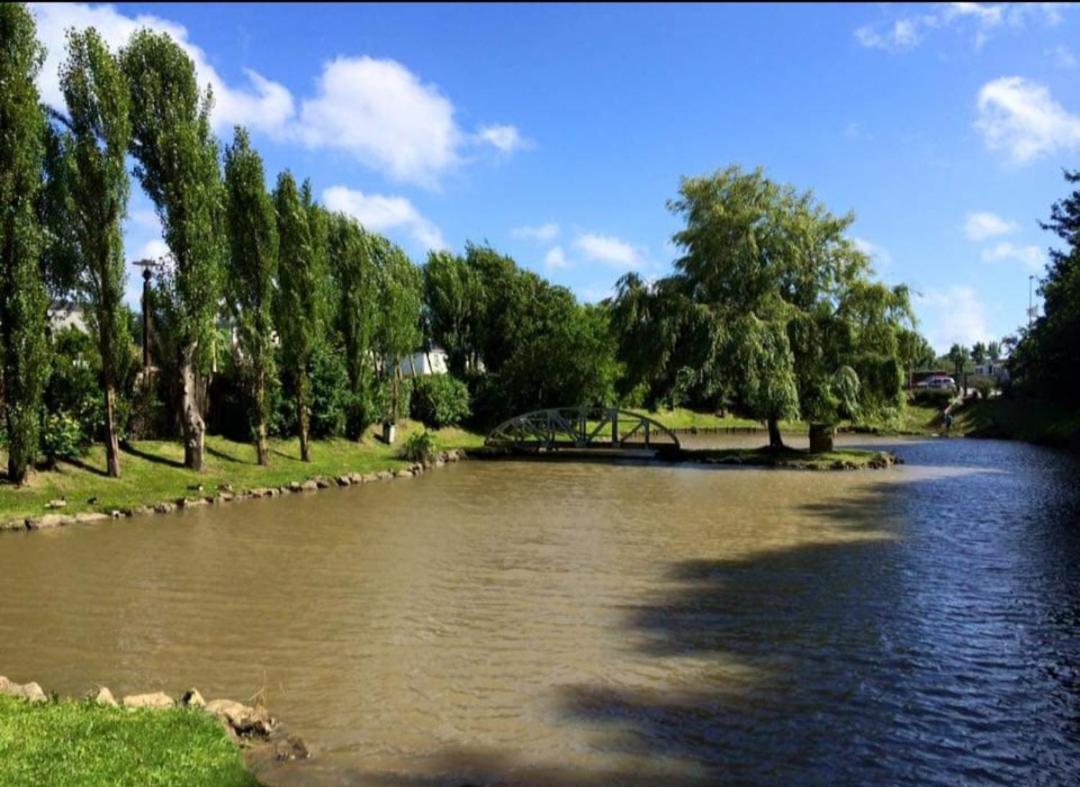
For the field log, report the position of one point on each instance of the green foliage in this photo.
(177, 164)
(439, 400)
(23, 299)
(1044, 361)
(62, 436)
(98, 100)
(79, 743)
(251, 269)
(420, 447)
(936, 398)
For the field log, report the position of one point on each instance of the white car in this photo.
(941, 384)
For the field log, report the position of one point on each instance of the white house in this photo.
(420, 363)
(995, 369)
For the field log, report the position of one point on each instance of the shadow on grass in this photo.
(130, 449)
(81, 465)
(217, 452)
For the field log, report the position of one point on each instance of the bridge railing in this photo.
(582, 427)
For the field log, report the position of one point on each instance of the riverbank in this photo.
(72, 743)
(1033, 421)
(153, 475)
(792, 458)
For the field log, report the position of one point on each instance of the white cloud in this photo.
(904, 34)
(381, 214)
(377, 111)
(555, 259)
(384, 116)
(152, 249)
(545, 233)
(878, 254)
(1062, 56)
(982, 225)
(1022, 119)
(609, 250)
(262, 104)
(146, 218)
(506, 139)
(979, 19)
(1031, 257)
(950, 316)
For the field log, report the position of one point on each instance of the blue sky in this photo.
(558, 132)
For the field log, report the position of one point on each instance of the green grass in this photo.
(79, 743)
(682, 418)
(153, 472)
(1019, 419)
(794, 458)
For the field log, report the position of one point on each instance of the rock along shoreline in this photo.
(226, 494)
(259, 735)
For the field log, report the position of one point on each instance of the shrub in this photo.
(62, 436)
(932, 398)
(420, 447)
(440, 400)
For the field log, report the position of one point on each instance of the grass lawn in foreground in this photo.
(71, 743)
(153, 471)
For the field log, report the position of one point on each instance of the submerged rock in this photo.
(309, 486)
(157, 700)
(47, 521)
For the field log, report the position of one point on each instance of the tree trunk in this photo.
(262, 450)
(821, 438)
(301, 416)
(112, 444)
(776, 441)
(193, 424)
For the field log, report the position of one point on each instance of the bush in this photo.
(932, 398)
(62, 437)
(420, 447)
(440, 400)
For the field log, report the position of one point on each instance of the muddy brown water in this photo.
(581, 623)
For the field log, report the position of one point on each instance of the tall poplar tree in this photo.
(178, 167)
(299, 317)
(23, 300)
(98, 100)
(250, 272)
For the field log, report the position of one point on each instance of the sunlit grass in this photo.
(79, 743)
(152, 471)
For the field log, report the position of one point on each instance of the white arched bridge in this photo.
(600, 428)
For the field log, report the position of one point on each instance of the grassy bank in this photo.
(793, 458)
(153, 471)
(80, 743)
(682, 418)
(1030, 420)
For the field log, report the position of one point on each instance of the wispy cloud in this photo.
(982, 225)
(1022, 120)
(1031, 257)
(952, 315)
(879, 255)
(544, 233)
(979, 20)
(609, 250)
(555, 259)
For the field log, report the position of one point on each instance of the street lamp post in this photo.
(148, 266)
(1031, 305)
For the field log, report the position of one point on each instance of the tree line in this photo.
(275, 316)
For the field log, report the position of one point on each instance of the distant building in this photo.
(67, 315)
(996, 369)
(421, 363)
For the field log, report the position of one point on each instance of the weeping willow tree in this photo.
(772, 305)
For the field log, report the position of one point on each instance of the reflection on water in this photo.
(588, 624)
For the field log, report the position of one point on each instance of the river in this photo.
(578, 623)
